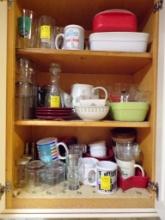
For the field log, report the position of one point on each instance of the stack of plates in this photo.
(54, 113)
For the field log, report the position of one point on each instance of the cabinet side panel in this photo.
(148, 82)
(10, 96)
(3, 44)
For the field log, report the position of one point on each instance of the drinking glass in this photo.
(73, 177)
(27, 29)
(46, 31)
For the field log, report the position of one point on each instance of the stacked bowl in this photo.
(116, 30)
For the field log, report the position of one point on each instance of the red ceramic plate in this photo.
(52, 109)
(54, 113)
(49, 117)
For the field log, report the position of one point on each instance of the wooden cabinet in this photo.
(97, 68)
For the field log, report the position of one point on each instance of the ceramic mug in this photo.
(127, 168)
(106, 177)
(98, 149)
(88, 171)
(48, 149)
(85, 91)
(73, 38)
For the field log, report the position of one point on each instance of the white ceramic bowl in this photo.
(119, 41)
(92, 113)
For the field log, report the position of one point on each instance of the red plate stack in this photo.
(54, 113)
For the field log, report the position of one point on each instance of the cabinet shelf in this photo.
(86, 196)
(87, 61)
(79, 123)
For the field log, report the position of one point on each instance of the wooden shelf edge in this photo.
(25, 51)
(79, 123)
(85, 197)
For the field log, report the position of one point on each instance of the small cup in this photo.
(127, 168)
(98, 149)
(73, 38)
(48, 149)
(106, 177)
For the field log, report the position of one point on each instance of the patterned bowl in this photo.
(92, 113)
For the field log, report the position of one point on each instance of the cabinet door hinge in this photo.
(6, 188)
(9, 2)
(158, 5)
(154, 187)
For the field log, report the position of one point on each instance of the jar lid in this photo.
(22, 161)
(27, 157)
(35, 164)
(123, 135)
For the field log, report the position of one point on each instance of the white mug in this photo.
(106, 177)
(73, 38)
(98, 149)
(85, 91)
(127, 168)
(88, 172)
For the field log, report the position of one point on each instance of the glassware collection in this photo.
(72, 165)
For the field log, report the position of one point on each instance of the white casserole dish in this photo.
(119, 41)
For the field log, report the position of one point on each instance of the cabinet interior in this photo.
(97, 68)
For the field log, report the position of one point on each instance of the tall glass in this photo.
(73, 177)
(46, 32)
(27, 29)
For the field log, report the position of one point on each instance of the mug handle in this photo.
(141, 169)
(66, 150)
(103, 89)
(61, 35)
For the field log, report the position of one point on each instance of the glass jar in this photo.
(55, 173)
(35, 171)
(21, 171)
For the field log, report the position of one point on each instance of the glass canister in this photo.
(34, 173)
(54, 173)
(21, 171)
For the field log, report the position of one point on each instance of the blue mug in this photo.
(48, 149)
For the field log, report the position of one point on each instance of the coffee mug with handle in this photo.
(106, 177)
(85, 91)
(127, 168)
(48, 149)
(73, 38)
(88, 171)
